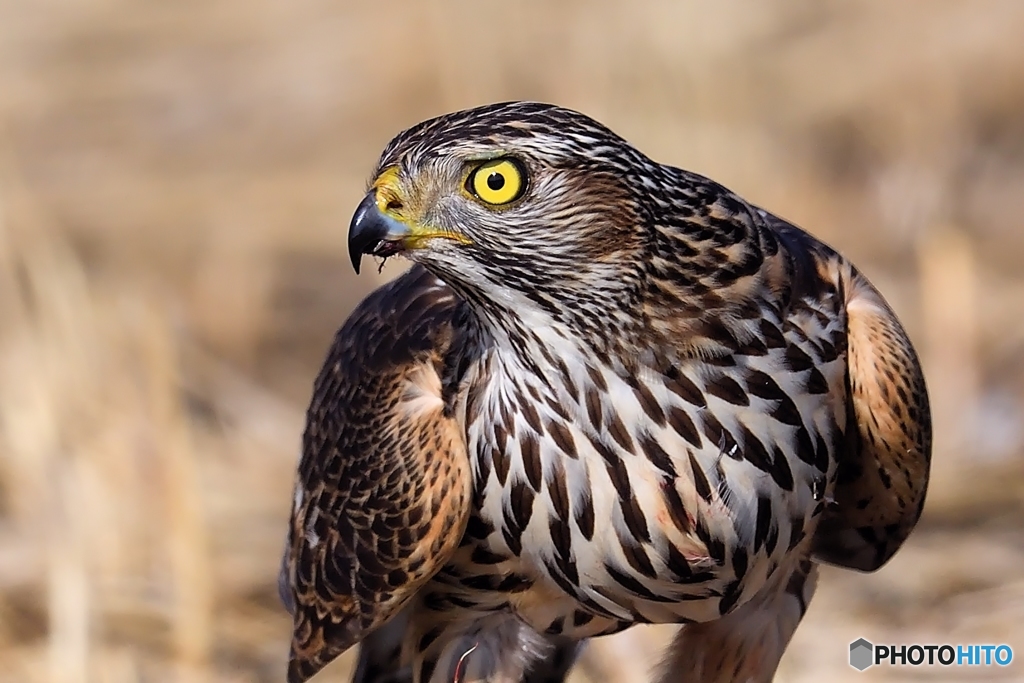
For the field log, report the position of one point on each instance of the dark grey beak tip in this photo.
(374, 232)
(365, 230)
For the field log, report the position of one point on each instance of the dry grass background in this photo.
(176, 181)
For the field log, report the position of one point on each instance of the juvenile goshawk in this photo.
(608, 392)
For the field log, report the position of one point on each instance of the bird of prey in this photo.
(608, 392)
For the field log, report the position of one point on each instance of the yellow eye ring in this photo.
(497, 182)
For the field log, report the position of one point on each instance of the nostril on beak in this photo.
(393, 205)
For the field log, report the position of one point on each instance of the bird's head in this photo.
(517, 204)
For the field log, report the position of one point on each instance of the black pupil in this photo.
(496, 181)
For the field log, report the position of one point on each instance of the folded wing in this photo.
(383, 490)
(883, 477)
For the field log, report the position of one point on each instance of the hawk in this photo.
(608, 392)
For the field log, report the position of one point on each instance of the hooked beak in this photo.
(374, 232)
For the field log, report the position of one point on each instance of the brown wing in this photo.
(881, 483)
(383, 489)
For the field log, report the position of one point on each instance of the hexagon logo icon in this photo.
(861, 654)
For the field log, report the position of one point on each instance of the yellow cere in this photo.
(386, 186)
(389, 200)
(497, 182)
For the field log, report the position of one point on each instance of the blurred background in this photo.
(176, 181)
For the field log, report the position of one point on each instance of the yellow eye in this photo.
(497, 182)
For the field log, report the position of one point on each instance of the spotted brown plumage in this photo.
(673, 405)
(383, 493)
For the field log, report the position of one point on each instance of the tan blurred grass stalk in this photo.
(97, 450)
(950, 298)
(184, 515)
(43, 320)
